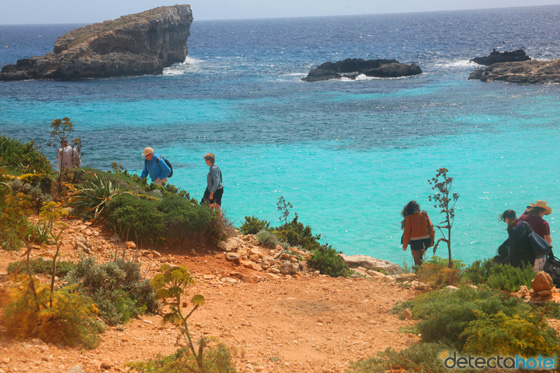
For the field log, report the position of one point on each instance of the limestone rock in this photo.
(233, 257)
(135, 44)
(82, 244)
(418, 285)
(497, 57)
(355, 261)
(542, 281)
(230, 245)
(289, 268)
(251, 265)
(130, 245)
(375, 273)
(76, 369)
(522, 292)
(526, 72)
(352, 67)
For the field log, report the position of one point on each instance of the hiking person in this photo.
(68, 157)
(214, 189)
(518, 242)
(534, 216)
(418, 231)
(155, 166)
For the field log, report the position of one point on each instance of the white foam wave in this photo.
(190, 65)
(456, 64)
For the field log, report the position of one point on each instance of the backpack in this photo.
(168, 164)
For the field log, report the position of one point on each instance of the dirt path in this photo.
(305, 323)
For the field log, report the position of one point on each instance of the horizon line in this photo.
(303, 17)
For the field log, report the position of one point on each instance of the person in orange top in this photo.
(418, 231)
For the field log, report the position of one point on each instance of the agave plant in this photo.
(90, 198)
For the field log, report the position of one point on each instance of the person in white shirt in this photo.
(68, 157)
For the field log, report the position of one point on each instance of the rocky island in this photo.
(526, 72)
(497, 57)
(353, 67)
(135, 44)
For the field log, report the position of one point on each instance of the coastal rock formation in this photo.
(352, 67)
(384, 266)
(528, 72)
(135, 44)
(498, 57)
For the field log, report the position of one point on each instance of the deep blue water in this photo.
(347, 154)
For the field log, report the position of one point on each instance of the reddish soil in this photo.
(306, 323)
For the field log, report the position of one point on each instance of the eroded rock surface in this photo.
(527, 72)
(135, 44)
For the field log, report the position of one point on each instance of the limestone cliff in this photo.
(135, 44)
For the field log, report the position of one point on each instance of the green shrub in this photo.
(14, 210)
(171, 218)
(92, 197)
(71, 319)
(436, 272)
(525, 335)
(297, 234)
(253, 225)
(117, 288)
(36, 194)
(183, 218)
(41, 266)
(499, 276)
(268, 239)
(446, 314)
(217, 360)
(422, 357)
(328, 261)
(135, 218)
(22, 158)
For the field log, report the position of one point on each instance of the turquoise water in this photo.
(347, 154)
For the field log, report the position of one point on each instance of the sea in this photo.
(348, 155)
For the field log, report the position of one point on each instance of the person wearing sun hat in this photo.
(534, 216)
(155, 167)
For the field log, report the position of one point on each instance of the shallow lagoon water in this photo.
(347, 154)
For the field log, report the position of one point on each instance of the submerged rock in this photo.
(135, 44)
(498, 57)
(527, 72)
(352, 67)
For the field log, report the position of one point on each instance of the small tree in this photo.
(171, 283)
(444, 200)
(61, 130)
(284, 208)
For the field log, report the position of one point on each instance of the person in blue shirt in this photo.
(155, 166)
(214, 188)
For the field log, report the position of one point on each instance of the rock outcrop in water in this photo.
(527, 72)
(352, 67)
(498, 57)
(135, 44)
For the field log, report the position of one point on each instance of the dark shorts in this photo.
(217, 197)
(420, 244)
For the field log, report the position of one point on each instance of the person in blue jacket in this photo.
(155, 166)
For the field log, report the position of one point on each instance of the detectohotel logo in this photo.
(454, 361)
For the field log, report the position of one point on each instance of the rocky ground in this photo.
(273, 313)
